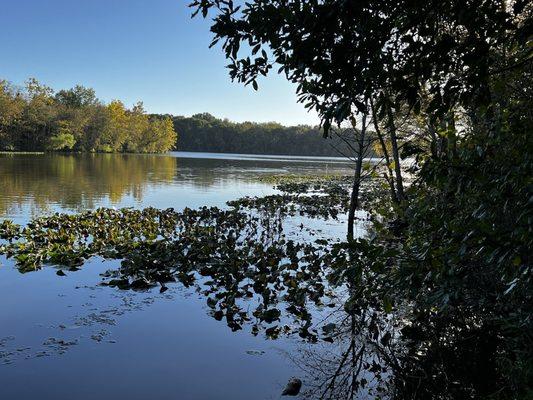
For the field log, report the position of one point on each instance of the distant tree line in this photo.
(204, 132)
(35, 118)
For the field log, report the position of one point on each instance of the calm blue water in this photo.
(68, 338)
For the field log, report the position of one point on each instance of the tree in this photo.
(116, 129)
(343, 53)
(39, 115)
(204, 132)
(63, 139)
(361, 152)
(391, 48)
(448, 84)
(77, 97)
(161, 135)
(11, 108)
(33, 118)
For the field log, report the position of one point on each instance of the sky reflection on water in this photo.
(67, 337)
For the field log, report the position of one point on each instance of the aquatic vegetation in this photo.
(293, 183)
(9, 230)
(229, 255)
(235, 257)
(319, 196)
(251, 275)
(312, 196)
(255, 276)
(287, 204)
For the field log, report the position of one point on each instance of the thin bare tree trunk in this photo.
(354, 198)
(395, 154)
(389, 177)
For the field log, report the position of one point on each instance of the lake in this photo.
(68, 337)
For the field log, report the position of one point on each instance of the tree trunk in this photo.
(354, 198)
(389, 177)
(395, 155)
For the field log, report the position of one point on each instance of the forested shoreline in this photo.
(36, 118)
(206, 133)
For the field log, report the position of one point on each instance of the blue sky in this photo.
(131, 50)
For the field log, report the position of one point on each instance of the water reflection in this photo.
(177, 346)
(355, 366)
(33, 184)
(78, 181)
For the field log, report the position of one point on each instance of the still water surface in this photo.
(67, 337)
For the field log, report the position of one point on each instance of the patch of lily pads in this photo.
(230, 256)
(323, 197)
(239, 258)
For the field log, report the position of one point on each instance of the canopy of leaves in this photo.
(341, 52)
(204, 132)
(34, 119)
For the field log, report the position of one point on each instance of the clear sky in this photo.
(149, 50)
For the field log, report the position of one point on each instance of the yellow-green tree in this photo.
(11, 108)
(115, 131)
(161, 136)
(34, 118)
(137, 125)
(63, 139)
